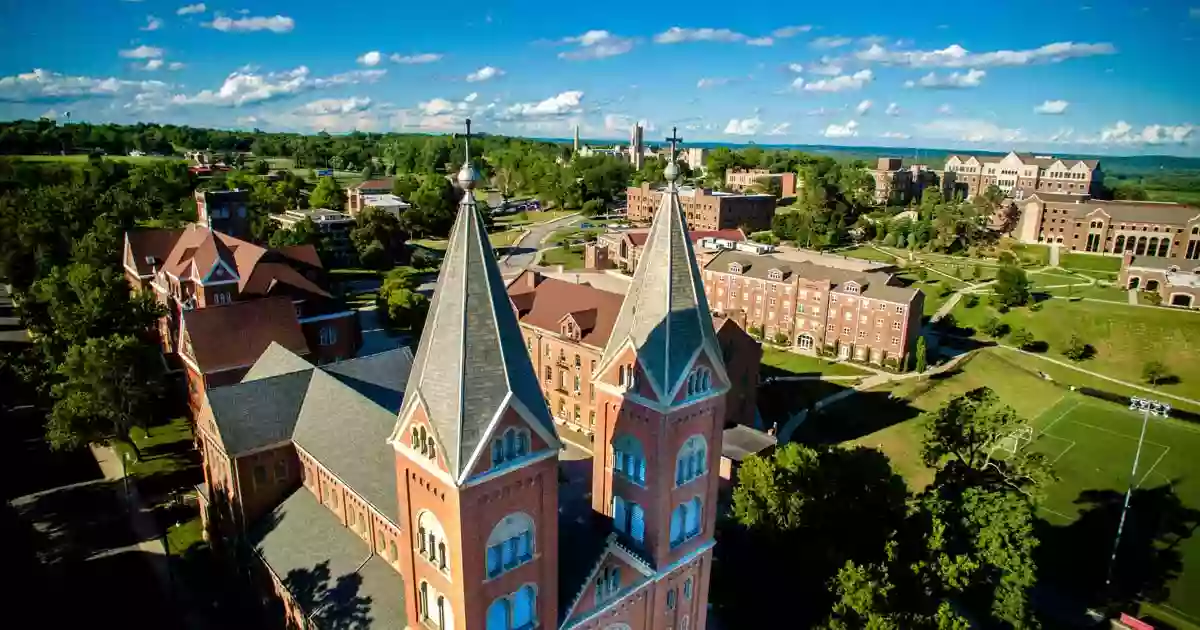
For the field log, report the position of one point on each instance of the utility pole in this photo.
(1148, 408)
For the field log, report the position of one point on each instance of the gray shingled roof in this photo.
(665, 312)
(740, 441)
(471, 357)
(329, 571)
(341, 413)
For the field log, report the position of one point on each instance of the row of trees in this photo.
(836, 534)
(93, 363)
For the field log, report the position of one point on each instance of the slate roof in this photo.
(1135, 211)
(740, 441)
(149, 248)
(1027, 158)
(665, 312)
(328, 570)
(1055, 197)
(342, 414)
(234, 335)
(471, 358)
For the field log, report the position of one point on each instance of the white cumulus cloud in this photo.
(1051, 107)
(623, 123)
(955, 56)
(370, 58)
(244, 88)
(484, 74)
(826, 67)
(708, 82)
(847, 130)
(191, 9)
(416, 59)
(954, 80)
(42, 85)
(780, 130)
(863, 107)
(760, 41)
(559, 105)
(841, 83)
(275, 24)
(677, 35)
(830, 42)
(895, 135)
(744, 126)
(969, 130)
(892, 109)
(1124, 133)
(176, 65)
(596, 44)
(151, 65)
(945, 108)
(142, 52)
(325, 106)
(152, 24)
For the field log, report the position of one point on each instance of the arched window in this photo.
(431, 541)
(693, 517)
(430, 449)
(497, 615)
(416, 439)
(513, 443)
(618, 513)
(1120, 246)
(685, 521)
(692, 460)
(524, 609)
(1163, 246)
(423, 600)
(1152, 247)
(628, 458)
(422, 436)
(677, 516)
(510, 544)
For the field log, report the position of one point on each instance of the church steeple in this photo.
(665, 317)
(471, 365)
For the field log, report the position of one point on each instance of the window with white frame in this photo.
(431, 541)
(899, 310)
(692, 460)
(628, 458)
(510, 545)
(629, 518)
(895, 341)
(896, 325)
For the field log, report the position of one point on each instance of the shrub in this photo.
(755, 332)
(990, 326)
(1077, 350)
(781, 339)
(1154, 298)
(972, 301)
(1035, 307)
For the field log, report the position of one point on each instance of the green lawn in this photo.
(1090, 262)
(1092, 445)
(1125, 337)
(504, 239)
(569, 258)
(533, 216)
(1096, 292)
(1051, 279)
(438, 244)
(574, 233)
(784, 363)
(159, 449)
(1188, 197)
(183, 535)
(81, 159)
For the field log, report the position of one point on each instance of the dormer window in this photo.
(774, 274)
(625, 376)
(699, 381)
(852, 287)
(735, 267)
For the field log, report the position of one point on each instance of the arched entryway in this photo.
(1152, 285)
(1181, 299)
(1134, 282)
(804, 342)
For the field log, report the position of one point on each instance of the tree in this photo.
(991, 326)
(368, 171)
(405, 185)
(1021, 338)
(403, 307)
(1076, 349)
(110, 385)
(592, 207)
(327, 194)
(923, 274)
(1012, 286)
(976, 272)
(379, 238)
(921, 354)
(261, 167)
(1154, 372)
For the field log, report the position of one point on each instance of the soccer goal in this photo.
(1009, 445)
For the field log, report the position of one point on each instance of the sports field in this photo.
(1091, 444)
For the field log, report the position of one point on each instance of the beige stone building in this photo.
(862, 316)
(1020, 175)
(897, 184)
(738, 180)
(706, 209)
(621, 250)
(355, 197)
(1147, 229)
(1176, 282)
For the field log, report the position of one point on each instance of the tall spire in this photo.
(471, 364)
(665, 316)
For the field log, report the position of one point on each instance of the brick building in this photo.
(862, 316)
(224, 211)
(355, 197)
(621, 250)
(566, 327)
(739, 180)
(439, 501)
(196, 269)
(897, 184)
(706, 209)
(1020, 175)
(1147, 229)
(1176, 282)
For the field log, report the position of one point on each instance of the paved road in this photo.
(526, 249)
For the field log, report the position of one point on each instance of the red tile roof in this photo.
(234, 335)
(545, 305)
(376, 184)
(638, 238)
(150, 248)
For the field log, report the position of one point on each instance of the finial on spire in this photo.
(467, 175)
(672, 170)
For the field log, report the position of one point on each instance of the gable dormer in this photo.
(737, 267)
(852, 287)
(576, 324)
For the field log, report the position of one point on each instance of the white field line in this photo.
(1064, 451)
(1153, 466)
(1118, 434)
(1060, 417)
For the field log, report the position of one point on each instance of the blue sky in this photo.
(1101, 76)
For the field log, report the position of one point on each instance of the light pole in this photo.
(1148, 408)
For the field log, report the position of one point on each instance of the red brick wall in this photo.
(349, 338)
(264, 478)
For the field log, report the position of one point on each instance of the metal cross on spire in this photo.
(674, 140)
(467, 175)
(468, 140)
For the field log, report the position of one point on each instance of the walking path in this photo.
(143, 526)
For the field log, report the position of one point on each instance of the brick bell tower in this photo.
(661, 394)
(476, 453)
